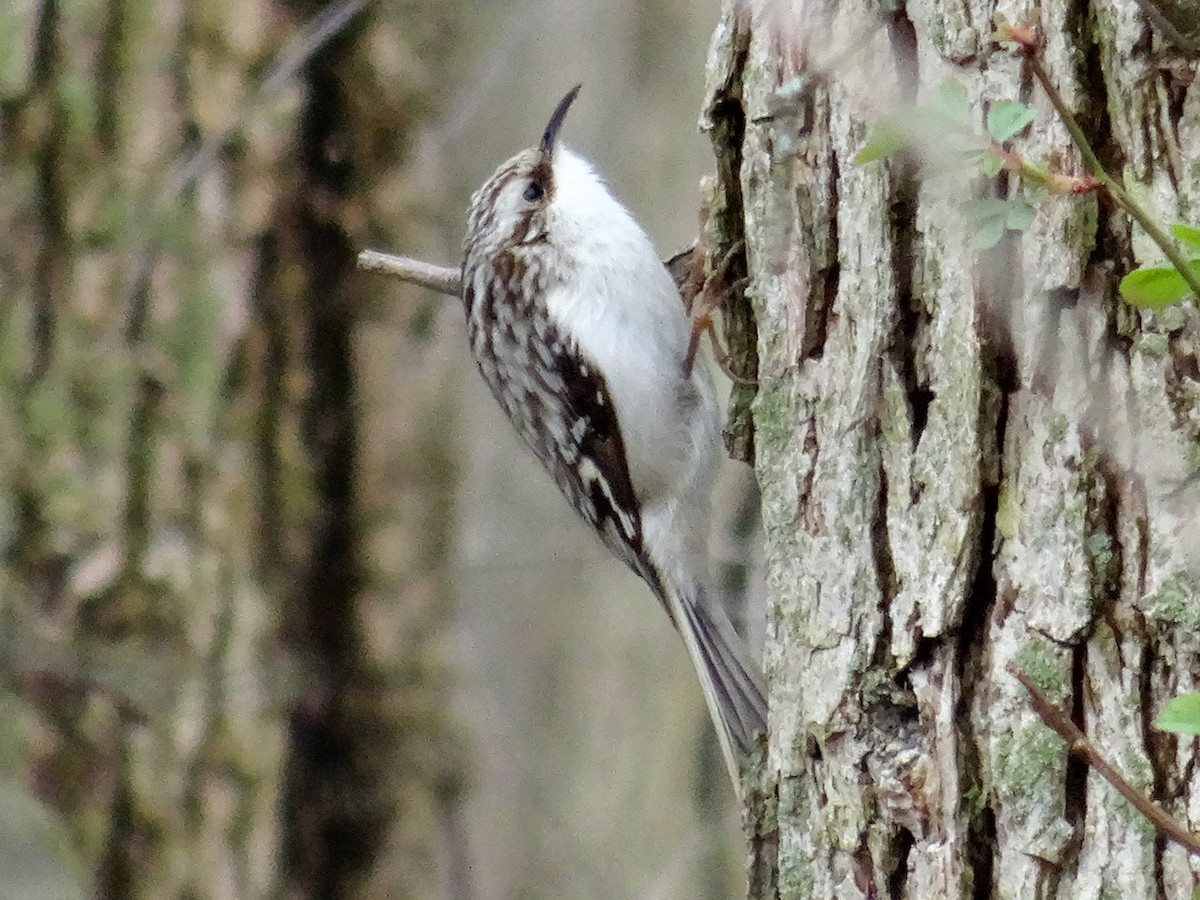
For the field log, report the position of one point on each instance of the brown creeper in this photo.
(581, 335)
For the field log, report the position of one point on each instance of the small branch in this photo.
(445, 280)
(1030, 173)
(437, 278)
(1079, 745)
(1025, 38)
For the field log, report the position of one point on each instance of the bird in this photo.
(580, 332)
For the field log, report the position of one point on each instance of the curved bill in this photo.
(556, 120)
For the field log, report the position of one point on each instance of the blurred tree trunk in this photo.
(968, 458)
(221, 594)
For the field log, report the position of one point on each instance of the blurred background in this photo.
(285, 609)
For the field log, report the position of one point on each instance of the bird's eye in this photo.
(533, 192)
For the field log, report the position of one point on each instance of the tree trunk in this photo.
(219, 658)
(968, 458)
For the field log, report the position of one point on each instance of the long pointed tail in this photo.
(731, 681)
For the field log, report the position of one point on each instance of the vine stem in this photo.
(1079, 745)
(1032, 53)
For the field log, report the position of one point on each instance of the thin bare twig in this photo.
(438, 278)
(1079, 745)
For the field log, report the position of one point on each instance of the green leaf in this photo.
(1007, 118)
(988, 218)
(986, 208)
(1153, 287)
(1181, 715)
(1020, 215)
(1186, 234)
(990, 164)
(882, 143)
(987, 234)
(952, 100)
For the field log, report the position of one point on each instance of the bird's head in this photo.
(514, 206)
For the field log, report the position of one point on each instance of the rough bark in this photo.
(212, 663)
(968, 458)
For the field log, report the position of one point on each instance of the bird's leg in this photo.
(701, 297)
(703, 324)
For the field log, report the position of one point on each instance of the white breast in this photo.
(624, 312)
